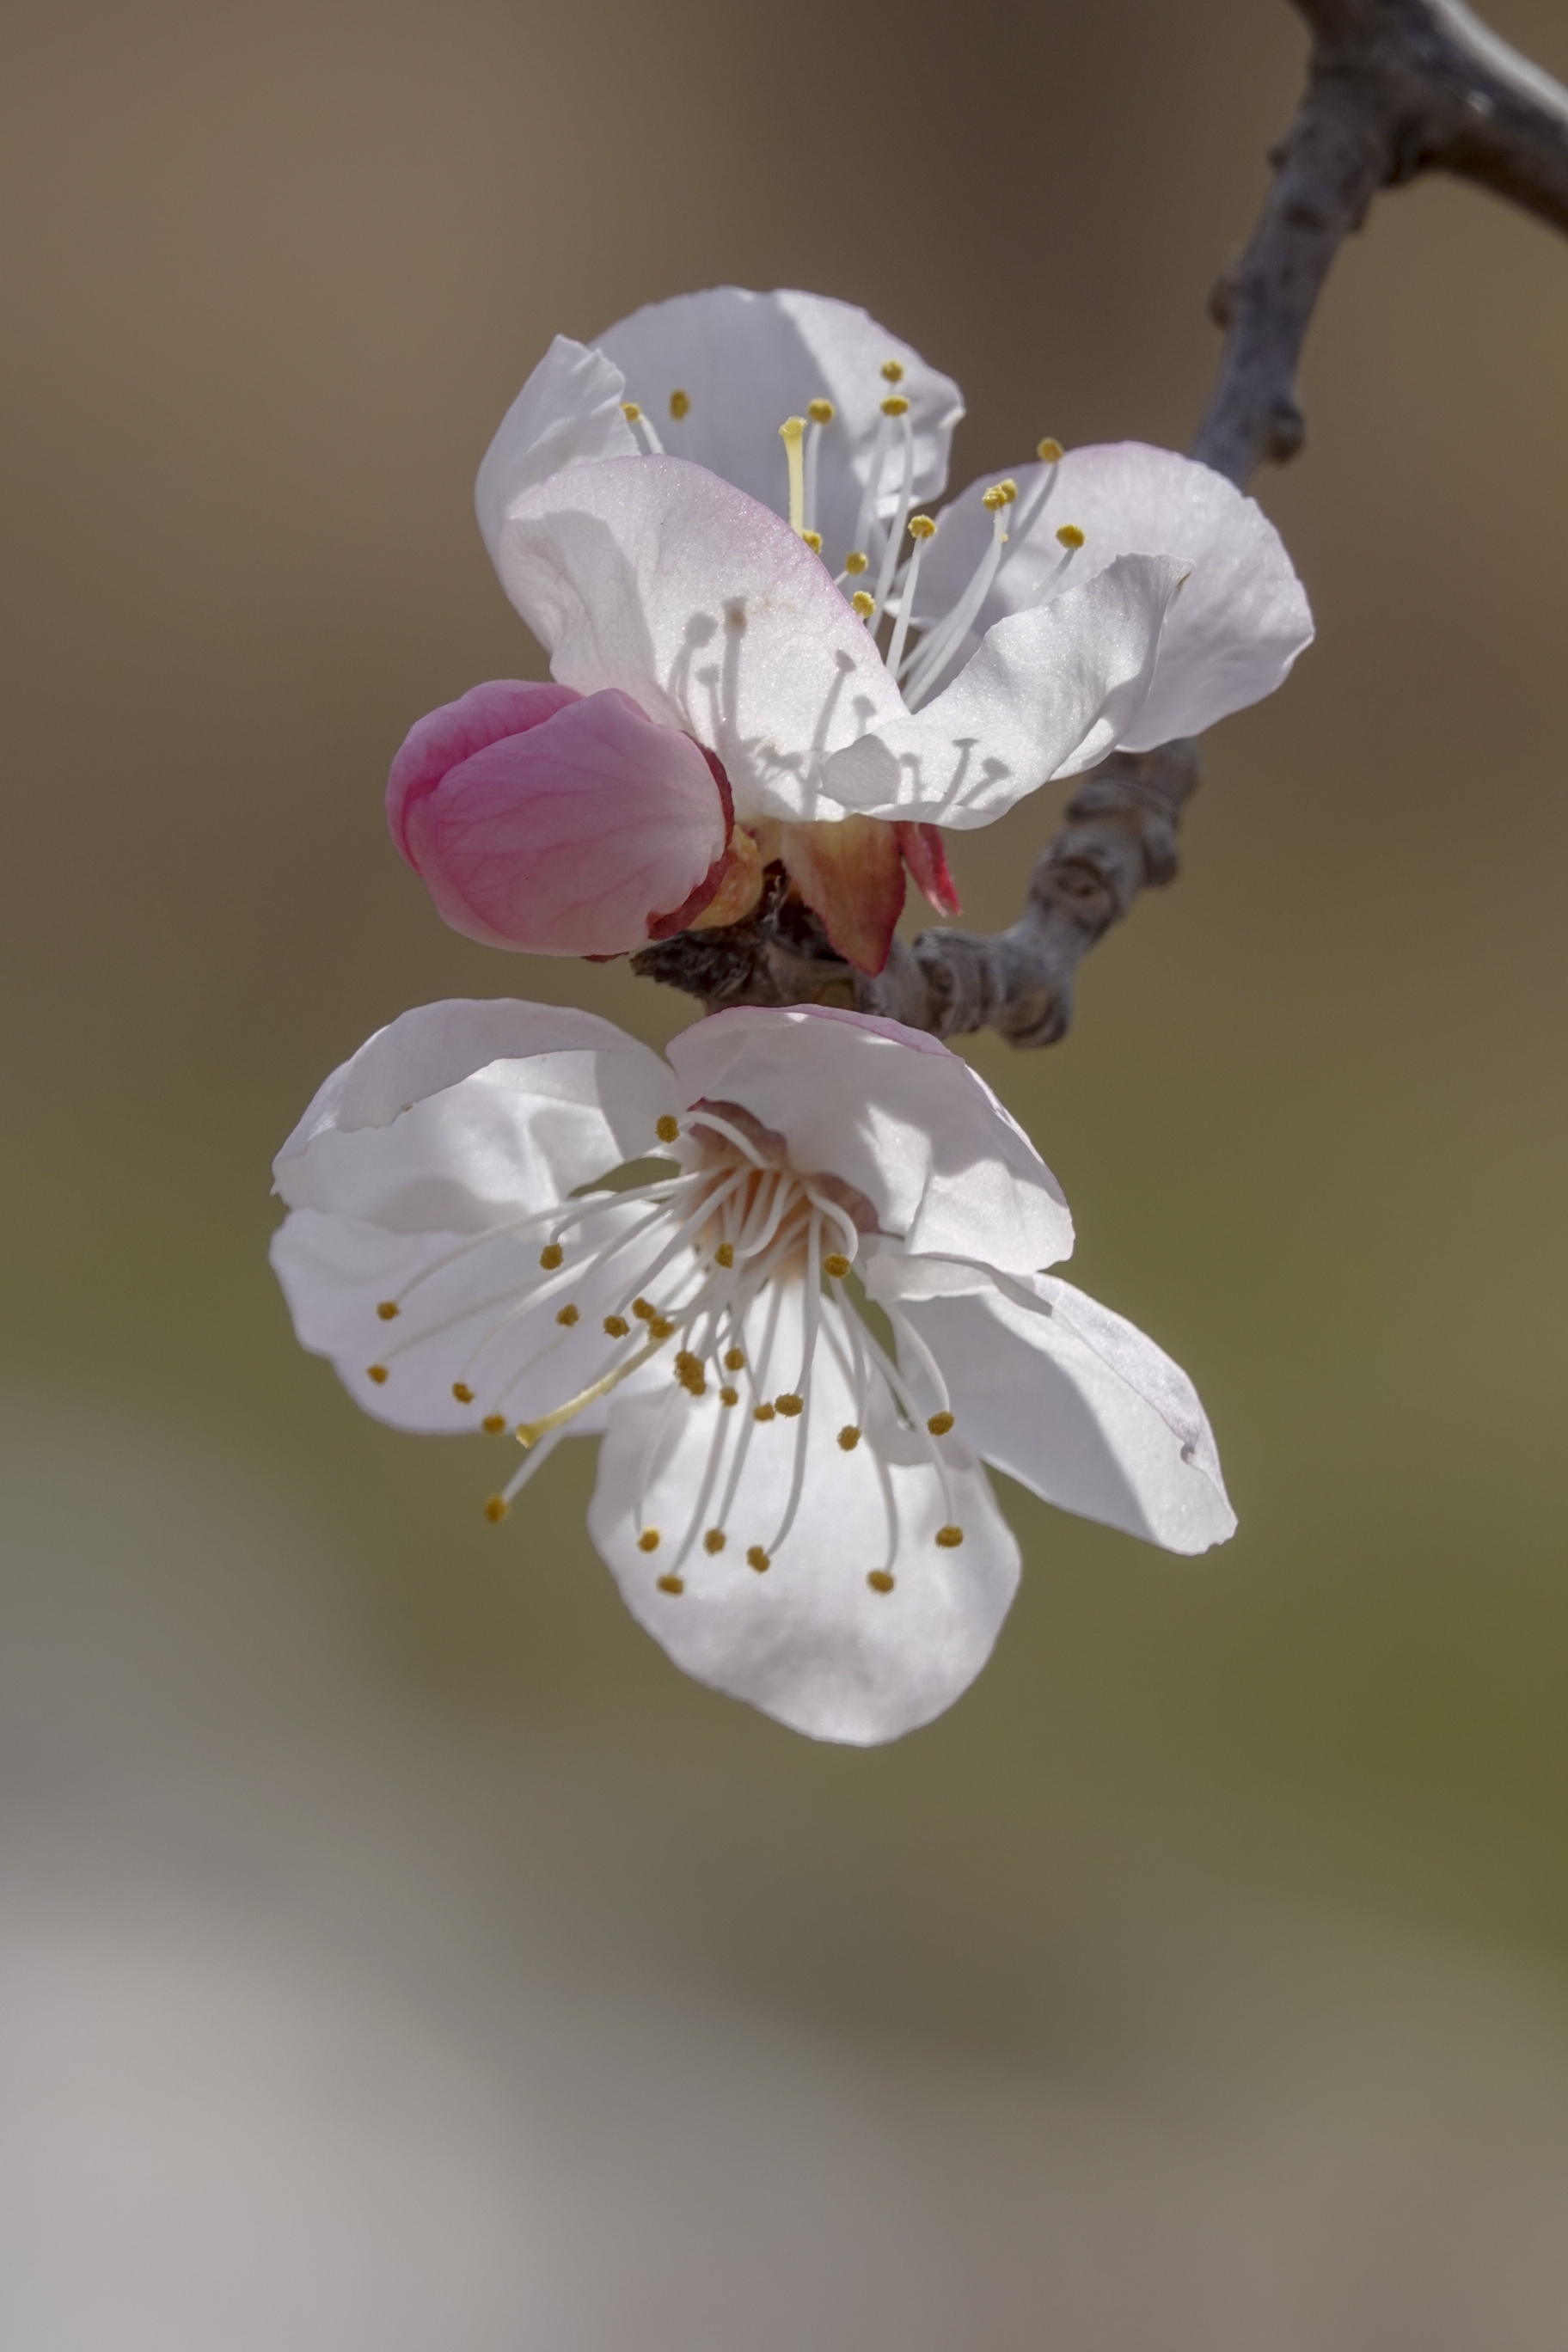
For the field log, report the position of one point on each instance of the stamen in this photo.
(939, 1423)
(821, 413)
(850, 1437)
(879, 1580)
(835, 1265)
(865, 519)
(892, 371)
(763, 1412)
(376, 1372)
(724, 1254)
(493, 1424)
(680, 405)
(895, 405)
(642, 1311)
(1071, 537)
(899, 407)
(529, 1432)
(1048, 451)
(863, 605)
(729, 1396)
(714, 1540)
(667, 1127)
(922, 528)
(671, 1583)
(387, 1309)
(643, 425)
(462, 1391)
(942, 642)
(789, 1404)
(950, 1537)
(734, 1359)
(496, 1509)
(616, 1326)
(814, 540)
(648, 1539)
(551, 1256)
(568, 1315)
(758, 1558)
(792, 433)
(854, 563)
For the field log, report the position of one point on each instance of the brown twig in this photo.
(1394, 87)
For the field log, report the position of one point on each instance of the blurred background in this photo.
(395, 1949)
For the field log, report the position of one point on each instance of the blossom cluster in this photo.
(801, 1340)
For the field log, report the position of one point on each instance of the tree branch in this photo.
(1394, 87)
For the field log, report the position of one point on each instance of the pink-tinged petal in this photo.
(444, 738)
(893, 1112)
(1230, 636)
(582, 835)
(925, 855)
(852, 875)
(653, 575)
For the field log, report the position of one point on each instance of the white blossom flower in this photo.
(800, 1341)
(658, 538)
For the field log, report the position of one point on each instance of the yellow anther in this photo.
(895, 405)
(792, 433)
(836, 1264)
(922, 527)
(671, 1583)
(814, 540)
(661, 1328)
(668, 1128)
(729, 1396)
(686, 1361)
(939, 1423)
(616, 1326)
(568, 1315)
(1048, 451)
(377, 1372)
(863, 602)
(892, 371)
(724, 1254)
(551, 1255)
(713, 1540)
(762, 1413)
(642, 1311)
(854, 563)
(462, 1391)
(1008, 488)
(496, 1509)
(994, 499)
(821, 412)
(950, 1537)
(387, 1309)
(734, 1359)
(648, 1539)
(1069, 535)
(680, 405)
(879, 1580)
(758, 1559)
(630, 411)
(493, 1424)
(789, 1404)
(849, 1437)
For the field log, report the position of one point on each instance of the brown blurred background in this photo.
(395, 1949)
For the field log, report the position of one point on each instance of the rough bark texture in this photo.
(1394, 87)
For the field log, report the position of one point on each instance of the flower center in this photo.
(696, 1263)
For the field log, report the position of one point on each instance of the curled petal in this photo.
(852, 875)
(1241, 618)
(1069, 1399)
(894, 1114)
(808, 1638)
(1047, 693)
(653, 575)
(744, 362)
(457, 1115)
(568, 413)
(585, 832)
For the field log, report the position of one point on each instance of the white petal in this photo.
(895, 1114)
(1072, 1401)
(1047, 693)
(567, 414)
(653, 575)
(746, 361)
(809, 1642)
(1238, 624)
(478, 1311)
(460, 1114)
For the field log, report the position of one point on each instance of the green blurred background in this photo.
(395, 1948)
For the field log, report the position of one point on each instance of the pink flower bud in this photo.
(558, 822)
